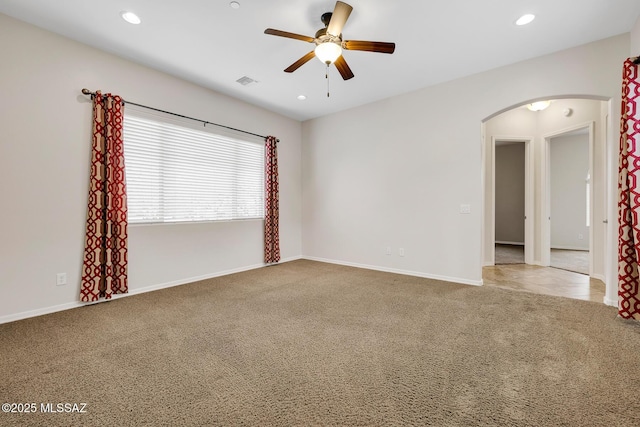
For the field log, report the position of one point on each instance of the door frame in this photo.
(529, 203)
(545, 244)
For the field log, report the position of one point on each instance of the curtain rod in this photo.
(205, 122)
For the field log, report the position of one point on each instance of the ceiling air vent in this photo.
(244, 81)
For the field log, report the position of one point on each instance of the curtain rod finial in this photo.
(86, 91)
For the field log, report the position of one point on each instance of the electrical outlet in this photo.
(465, 209)
(580, 237)
(61, 279)
(388, 250)
(401, 251)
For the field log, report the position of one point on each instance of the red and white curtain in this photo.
(271, 202)
(629, 195)
(104, 271)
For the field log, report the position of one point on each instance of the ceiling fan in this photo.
(329, 43)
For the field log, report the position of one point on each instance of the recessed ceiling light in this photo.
(302, 97)
(234, 5)
(130, 17)
(525, 19)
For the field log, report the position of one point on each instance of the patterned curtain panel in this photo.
(271, 201)
(629, 195)
(105, 255)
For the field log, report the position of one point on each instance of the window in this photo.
(180, 171)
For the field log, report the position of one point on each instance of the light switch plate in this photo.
(61, 279)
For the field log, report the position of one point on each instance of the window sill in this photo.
(153, 224)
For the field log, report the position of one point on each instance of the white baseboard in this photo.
(39, 312)
(570, 248)
(76, 304)
(612, 303)
(566, 248)
(398, 271)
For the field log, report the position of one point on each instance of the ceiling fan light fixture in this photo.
(328, 52)
(538, 106)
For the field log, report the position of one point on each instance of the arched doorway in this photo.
(564, 114)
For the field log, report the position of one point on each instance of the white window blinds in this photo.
(178, 170)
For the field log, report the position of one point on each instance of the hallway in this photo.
(544, 280)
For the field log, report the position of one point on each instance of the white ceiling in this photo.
(213, 45)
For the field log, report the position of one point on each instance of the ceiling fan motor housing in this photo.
(322, 37)
(326, 18)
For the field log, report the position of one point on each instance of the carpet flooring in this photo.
(306, 343)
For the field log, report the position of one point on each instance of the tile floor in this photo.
(544, 280)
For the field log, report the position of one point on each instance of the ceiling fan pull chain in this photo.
(327, 77)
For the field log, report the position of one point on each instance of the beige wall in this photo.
(44, 166)
(635, 39)
(396, 172)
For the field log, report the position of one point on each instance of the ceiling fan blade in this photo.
(381, 47)
(343, 68)
(340, 15)
(300, 62)
(273, 32)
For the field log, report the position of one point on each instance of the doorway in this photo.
(563, 116)
(568, 202)
(513, 200)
